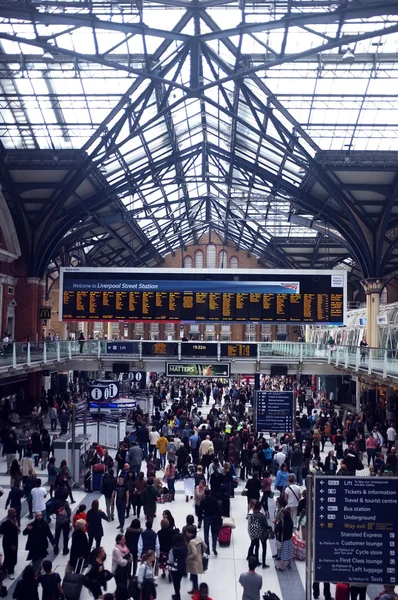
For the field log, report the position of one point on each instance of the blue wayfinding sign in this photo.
(121, 347)
(275, 411)
(356, 529)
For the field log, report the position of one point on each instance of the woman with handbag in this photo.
(121, 560)
(258, 532)
(145, 577)
(196, 550)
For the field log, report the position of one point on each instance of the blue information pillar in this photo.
(356, 529)
(275, 411)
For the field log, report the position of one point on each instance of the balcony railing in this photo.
(16, 355)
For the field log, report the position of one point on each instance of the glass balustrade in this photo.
(369, 360)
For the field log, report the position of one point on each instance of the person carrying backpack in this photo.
(62, 524)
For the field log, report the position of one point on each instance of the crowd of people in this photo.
(211, 454)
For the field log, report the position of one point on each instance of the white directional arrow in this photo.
(322, 491)
(321, 508)
(322, 481)
(322, 499)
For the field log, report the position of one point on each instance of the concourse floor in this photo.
(224, 570)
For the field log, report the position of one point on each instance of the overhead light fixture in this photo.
(103, 170)
(348, 54)
(302, 171)
(48, 57)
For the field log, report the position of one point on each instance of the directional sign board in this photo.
(275, 411)
(356, 529)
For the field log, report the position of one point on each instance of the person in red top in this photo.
(202, 593)
(80, 514)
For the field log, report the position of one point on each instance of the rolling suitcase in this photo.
(224, 536)
(72, 586)
(80, 565)
(342, 591)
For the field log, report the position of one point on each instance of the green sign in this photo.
(197, 370)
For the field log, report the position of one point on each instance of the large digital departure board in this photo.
(203, 295)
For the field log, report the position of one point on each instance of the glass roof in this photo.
(204, 114)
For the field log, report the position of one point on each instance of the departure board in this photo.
(202, 295)
(239, 350)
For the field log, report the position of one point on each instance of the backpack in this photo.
(255, 528)
(62, 515)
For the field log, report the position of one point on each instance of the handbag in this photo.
(244, 492)
(359, 466)
(205, 562)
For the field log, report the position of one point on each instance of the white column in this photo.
(357, 394)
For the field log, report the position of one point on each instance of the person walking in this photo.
(212, 521)
(95, 516)
(121, 560)
(281, 478)
(27, 586)
(296, 463)
(178, 563)
(148, 540)
(251, 582)
(132, 537)
(62, 524)
(50, 582)
(161, 446)
(10, 530)
(79, 545)
(14, 499)
(149, 499)
(145, 576)
(198, 497)
(108, 487)
(122, 502)
(196, 549)
(39, 535)
(170, 477)
(39, 499)
(284, 533)
(52, 474)
(292, 496)
(258, 532)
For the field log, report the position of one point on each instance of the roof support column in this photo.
(373, 288)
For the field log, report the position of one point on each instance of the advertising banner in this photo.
(197, 370)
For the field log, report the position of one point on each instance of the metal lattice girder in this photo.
(184, 128)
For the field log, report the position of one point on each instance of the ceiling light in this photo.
(48, 57)
(103, 170)
(302, 171)
(348, 55)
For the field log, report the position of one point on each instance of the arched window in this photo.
(188, 262)
(211, 256)
(199, 259)
(233, 262)
(222, 260)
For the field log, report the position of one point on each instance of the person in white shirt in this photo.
(280, 457)
(39, 499)
(153, 438)
(391, 437)
(292, 496)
